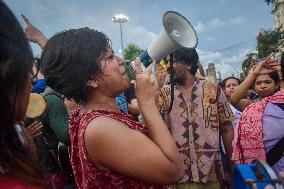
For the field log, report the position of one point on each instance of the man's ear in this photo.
(92, 84)
(188, 67)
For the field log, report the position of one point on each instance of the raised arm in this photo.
(113, 145)
(264, 67)
(237, 98)
(33, 34)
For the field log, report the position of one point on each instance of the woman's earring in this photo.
(92, 83)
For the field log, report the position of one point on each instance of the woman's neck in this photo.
(101, 104)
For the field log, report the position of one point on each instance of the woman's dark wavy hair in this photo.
(275, 77)
(187, 57)
(71, 58)
(15, 66)
(223, 83)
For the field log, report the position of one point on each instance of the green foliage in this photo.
(131, 52)
(247, 62)
(269, 42)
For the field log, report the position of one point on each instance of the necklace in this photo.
(99, 106)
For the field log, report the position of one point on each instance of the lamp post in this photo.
(120, 18)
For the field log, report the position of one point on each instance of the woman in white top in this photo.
(229, 85)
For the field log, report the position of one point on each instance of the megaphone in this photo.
(177, 32)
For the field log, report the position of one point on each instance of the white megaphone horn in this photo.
(177, 32)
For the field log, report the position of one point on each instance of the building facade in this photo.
(213, 75)
(278, 13)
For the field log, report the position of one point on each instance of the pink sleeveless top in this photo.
(87, 173)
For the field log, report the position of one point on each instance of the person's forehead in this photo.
(263, 78)
(231, 81)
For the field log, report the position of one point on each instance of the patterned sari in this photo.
(248, 136)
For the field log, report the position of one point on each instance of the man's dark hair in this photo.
(223, 83)
(187, 57)
(71, 58)
(15, 69)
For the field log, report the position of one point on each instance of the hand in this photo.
(161, 74)
(145, 87)
(34, 129)
(33, 34)
(265, 66)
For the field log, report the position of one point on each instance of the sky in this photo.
(226, 29)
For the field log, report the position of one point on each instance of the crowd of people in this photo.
(98, 129)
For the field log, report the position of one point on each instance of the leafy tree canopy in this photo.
(132, 51)
(269, 42)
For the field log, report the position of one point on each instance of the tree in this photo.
(131, 51)
(269, 42)
(247, 62)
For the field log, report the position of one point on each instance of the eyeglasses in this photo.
(164, 63)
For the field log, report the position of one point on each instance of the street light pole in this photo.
(120, 19)
(121, 39)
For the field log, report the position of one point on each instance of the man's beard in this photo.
(180, 80)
